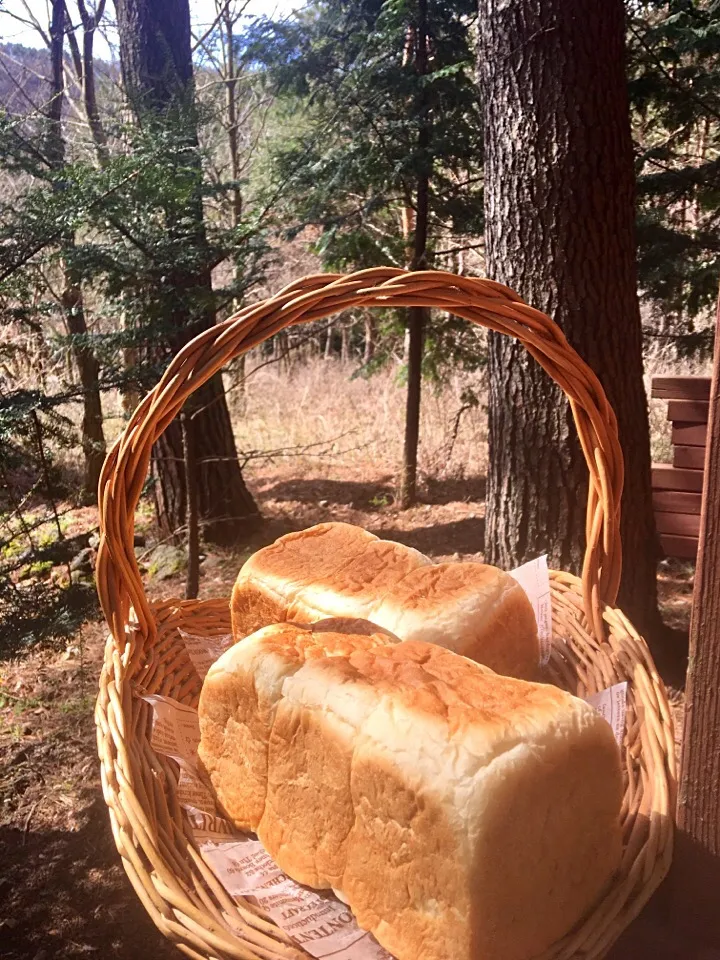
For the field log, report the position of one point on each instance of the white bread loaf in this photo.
(462, 815)
(237, 705)
(339, 570)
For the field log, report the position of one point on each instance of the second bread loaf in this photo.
(340, 570)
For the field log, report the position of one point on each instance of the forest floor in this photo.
(63, 893)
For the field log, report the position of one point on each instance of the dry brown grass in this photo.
(334, 423)
(326, 421)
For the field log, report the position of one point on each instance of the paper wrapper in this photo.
(204, 651)
(612, 704)
(534, 578)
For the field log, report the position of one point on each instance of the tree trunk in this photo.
(369, 347)
(90, 23)
(559, 211)
(417, 316)
(226, 512)
(155, 54)
(345, 343)
(129, 393)
(192, 581)
(415, 338)
(92, 434)
(230, 77)
(156, 61)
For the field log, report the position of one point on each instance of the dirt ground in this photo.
(63, 893)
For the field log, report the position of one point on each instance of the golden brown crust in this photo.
(370, 572)
(340, 570)
(271, 577)
(473, 609)
(252, 608)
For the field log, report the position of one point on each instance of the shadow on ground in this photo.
(461, 536)
(364, 496)
(360, 496)
(64, 894)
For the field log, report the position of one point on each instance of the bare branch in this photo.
(449, 250)
(19, 63)
(18, 86)
(199, 41)
(31, 22)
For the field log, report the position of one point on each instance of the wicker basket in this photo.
(594, 645)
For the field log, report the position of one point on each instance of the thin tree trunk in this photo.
(156, 61)
(129, 394)
(92, 434)
(240, 373)
(328, 342)
(55, 145)
(559, 211)
(85, 71)
(345, 343)
(408, 485)
(369, 347)
(416, 316)
(233, 147)
(192, 582)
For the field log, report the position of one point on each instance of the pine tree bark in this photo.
(156, 62)
(559, 209)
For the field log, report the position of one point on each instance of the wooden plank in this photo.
(667, 477)
(683, 524)
(676, 501)
(684, 548)
(681, 388)
(696, 873)
(690, 411)
(692, 458)
(689, 434)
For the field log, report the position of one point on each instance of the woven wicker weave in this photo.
(594, 646)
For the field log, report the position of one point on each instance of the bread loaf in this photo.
(462, 815)
(339, 570)
(237, 705)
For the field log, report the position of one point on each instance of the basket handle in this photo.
(483, 302)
